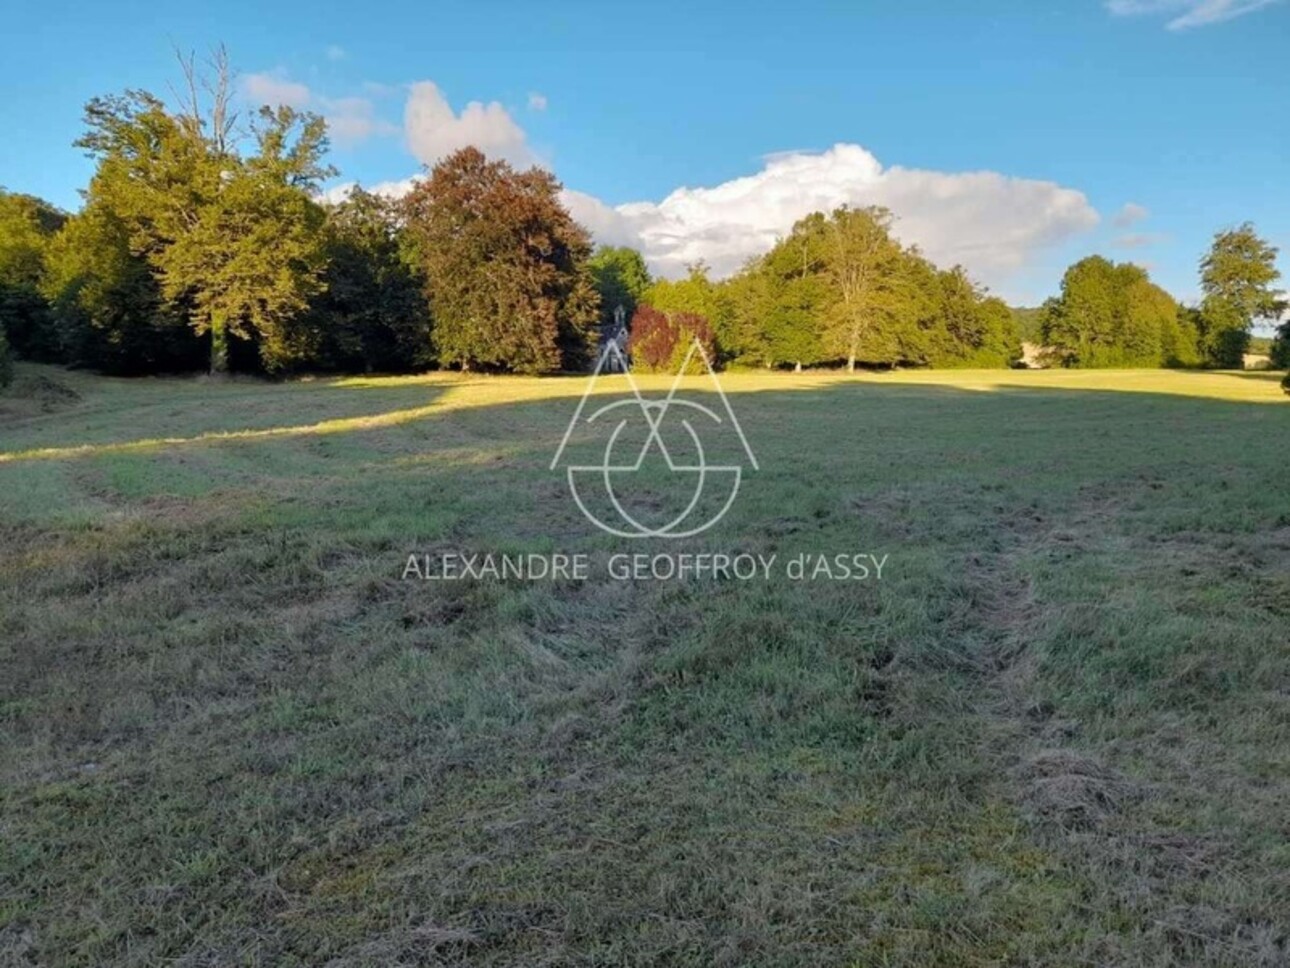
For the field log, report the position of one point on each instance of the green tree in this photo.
(696, 294)
(839, 286)
(969, 329)
(372, 315)
(778, 302)
(27, 224)
(1237, 276)
(1080, 325)
(1143, 310)
(876, 298)
(1180, 338)
(1280, 350)
(1112, 315)
(255, 255)
(506, 266)
(107, 304)
(621, 279)
(235, 242)
(1000, 342)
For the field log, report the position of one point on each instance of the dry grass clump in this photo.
(1073, 789)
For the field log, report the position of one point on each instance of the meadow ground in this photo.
(1057, 732)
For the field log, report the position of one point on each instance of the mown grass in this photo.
(1056, 733)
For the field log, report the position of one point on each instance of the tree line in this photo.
(203, 242)
(840, 289)
(1113, 315)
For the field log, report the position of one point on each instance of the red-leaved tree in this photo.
(505, 264)
(659, 341)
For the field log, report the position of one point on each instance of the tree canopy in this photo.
(1111, 314)
(234, 241)
(1237, 276)
(621, 279)
(841, 288)
(661, 341)
(27, 227)
(372, 314)
(505, 266)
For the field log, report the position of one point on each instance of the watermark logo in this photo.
(669, 468)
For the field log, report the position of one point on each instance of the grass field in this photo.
(1057, 732)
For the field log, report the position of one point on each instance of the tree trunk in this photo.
(219, 346)
(851, 361)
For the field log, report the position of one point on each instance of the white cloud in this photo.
(990, 223)
(1188, 13)
(273, 88)
(386, 189)
(350, 120)
(1129, 214)
(335, 52)
(434, 130)
(608, 226)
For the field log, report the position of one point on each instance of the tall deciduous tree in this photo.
(779, 301)
(862, 264)
(254, 255)
(1080, 325)
(1237, 275)
(969, 328)
(840, 287)
(235, 242)
(505, 266)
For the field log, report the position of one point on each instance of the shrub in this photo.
(660, 342)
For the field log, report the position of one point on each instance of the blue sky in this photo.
(1011, 135)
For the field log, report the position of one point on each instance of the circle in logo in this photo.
(613, 477)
